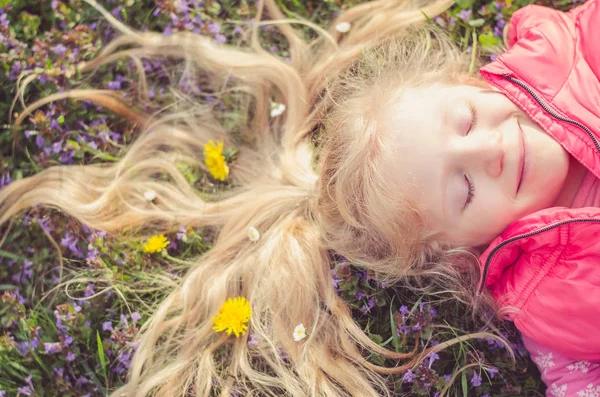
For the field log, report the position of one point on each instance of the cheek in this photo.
(490, 220)
(551, 167)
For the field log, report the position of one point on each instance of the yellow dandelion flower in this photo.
(215, 161)
(233, 316)
(156, 243)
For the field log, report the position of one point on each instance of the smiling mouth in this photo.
(521, 166)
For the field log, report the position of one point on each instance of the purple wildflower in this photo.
(70, 242)
(116, 12)
(22, 348)
(81, 381)
(433, 312)
(114, 85)
(432, 357)
(135, 317)
(59, 49)
(68, 341)
(465, 15)
(181, 234)
(4, 19)
(492, 371)
(476, 380)
(45, 224)
(27, 390)
(107, 326)
(220, 38)
(214, 28)
(51, 348)
(89, 290)
(252, 340)
(404, 310)
(70, 356)
(39, 141)
(408, 377)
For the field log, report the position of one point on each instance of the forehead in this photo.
(411, 128)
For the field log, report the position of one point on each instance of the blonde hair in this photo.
(309, 180)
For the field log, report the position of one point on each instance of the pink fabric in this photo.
(588, 194)
(565, 377)
(546, 266)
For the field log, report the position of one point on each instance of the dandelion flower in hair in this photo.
(215, 160)
(233, 316)
(156, 243)
(253, 234)
(277, 109)
(150, 195)
(299, 332)
(343, 27)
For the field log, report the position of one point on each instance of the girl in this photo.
(418, 168)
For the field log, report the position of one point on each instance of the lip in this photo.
(522, 158)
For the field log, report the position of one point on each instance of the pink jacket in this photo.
(547, 264)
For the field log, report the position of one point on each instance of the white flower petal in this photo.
(343, 27)
(253, 234)
(299, 332)
(150, 195)
(277, 109)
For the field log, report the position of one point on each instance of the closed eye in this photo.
(473, 118)
(471, 193)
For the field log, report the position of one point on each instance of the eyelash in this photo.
(471, 193)
(473, 118)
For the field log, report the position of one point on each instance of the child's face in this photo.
(433, 153)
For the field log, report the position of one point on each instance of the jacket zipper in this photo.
(552, 112)
(542, 230)
(546, 228)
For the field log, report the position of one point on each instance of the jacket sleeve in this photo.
(530, 17)
(587, 19)
(564, 377)
(587, 16)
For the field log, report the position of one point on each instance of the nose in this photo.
(484, 151)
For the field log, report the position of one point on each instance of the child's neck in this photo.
(573, 181)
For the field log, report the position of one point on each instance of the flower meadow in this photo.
(72, 299)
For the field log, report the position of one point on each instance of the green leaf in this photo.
(101, 356)
(464, 4)
(376, 338)
(393, 325)
(74, 144)
(10, 255)
(476, 23)
(61, 119)
(488, 40)
(465, 387)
